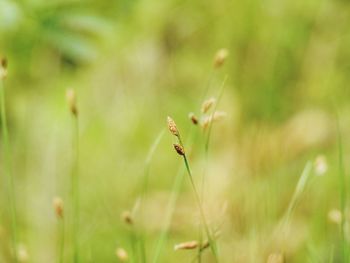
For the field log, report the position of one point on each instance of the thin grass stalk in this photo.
(62, 236)
(221, 92)
(204, 222)
(75, 190)
(297, 193)
(144, 190)
(169, 214)
(8, 171)
(213, 246)
(342, 195)
(204, 94)
(171, 206)
(206, 156)
(133, 244)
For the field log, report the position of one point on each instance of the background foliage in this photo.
(133, 63)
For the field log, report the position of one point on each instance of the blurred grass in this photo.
(135, 62)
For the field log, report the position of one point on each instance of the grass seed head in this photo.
(205, 122)
(220, 57)
(179, 149)
(22, 254)
(121, 254)
(172, 126)
(3, 68)
(320, 165)
(58, 206)
(218, 115)
(127, 217)
(335, 216)
(186, 245)
(207, 104)
(275, 258)
(193, 118)
(72, 101)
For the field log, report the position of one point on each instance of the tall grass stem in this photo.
(8, 171)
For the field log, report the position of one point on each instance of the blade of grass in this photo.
(198, 200)
(297, 194)
(342, 194)
(71, 99)
(206, 157)
(178, 182)
(144, 190)
(61, 253)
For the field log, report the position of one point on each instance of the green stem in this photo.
(343, 195)
(145, 189)
(204, 222)
(75, 192)
(206, 156)
(171, 206)
(212, 115)
(8, 171)
(170, 211)
(61, 257)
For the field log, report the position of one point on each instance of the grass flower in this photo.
(220, 57)
(186, 245)
(121, 254)
(72, 104)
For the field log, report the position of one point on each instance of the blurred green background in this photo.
(132, 63)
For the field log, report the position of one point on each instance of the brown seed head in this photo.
(58, 206)
(220, 57)
(186, 245)
(193, 118)
(121, 254)
(127, 217)
(172, 126)
(72, 101)
(3, 68)
(179, 149)
(207, 104)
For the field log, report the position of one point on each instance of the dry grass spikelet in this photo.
(335, 216)
(218, 115)
(127, 217)
(172, 126)
(58, 206)
(121, 254)
(193, 118)
(186, 245)
(22, 254)
(320, 165)
(179, 149)
(220, 57)
(72, 101)
(3, 68)
(205, 122)
(275, 258)
(207, 104)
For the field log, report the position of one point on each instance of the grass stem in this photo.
(75, 190)
(8, 171)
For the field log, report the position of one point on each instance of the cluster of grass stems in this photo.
(137, 235)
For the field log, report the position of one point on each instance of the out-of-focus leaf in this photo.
(86, 23)
(10, 15)
(71, 45)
